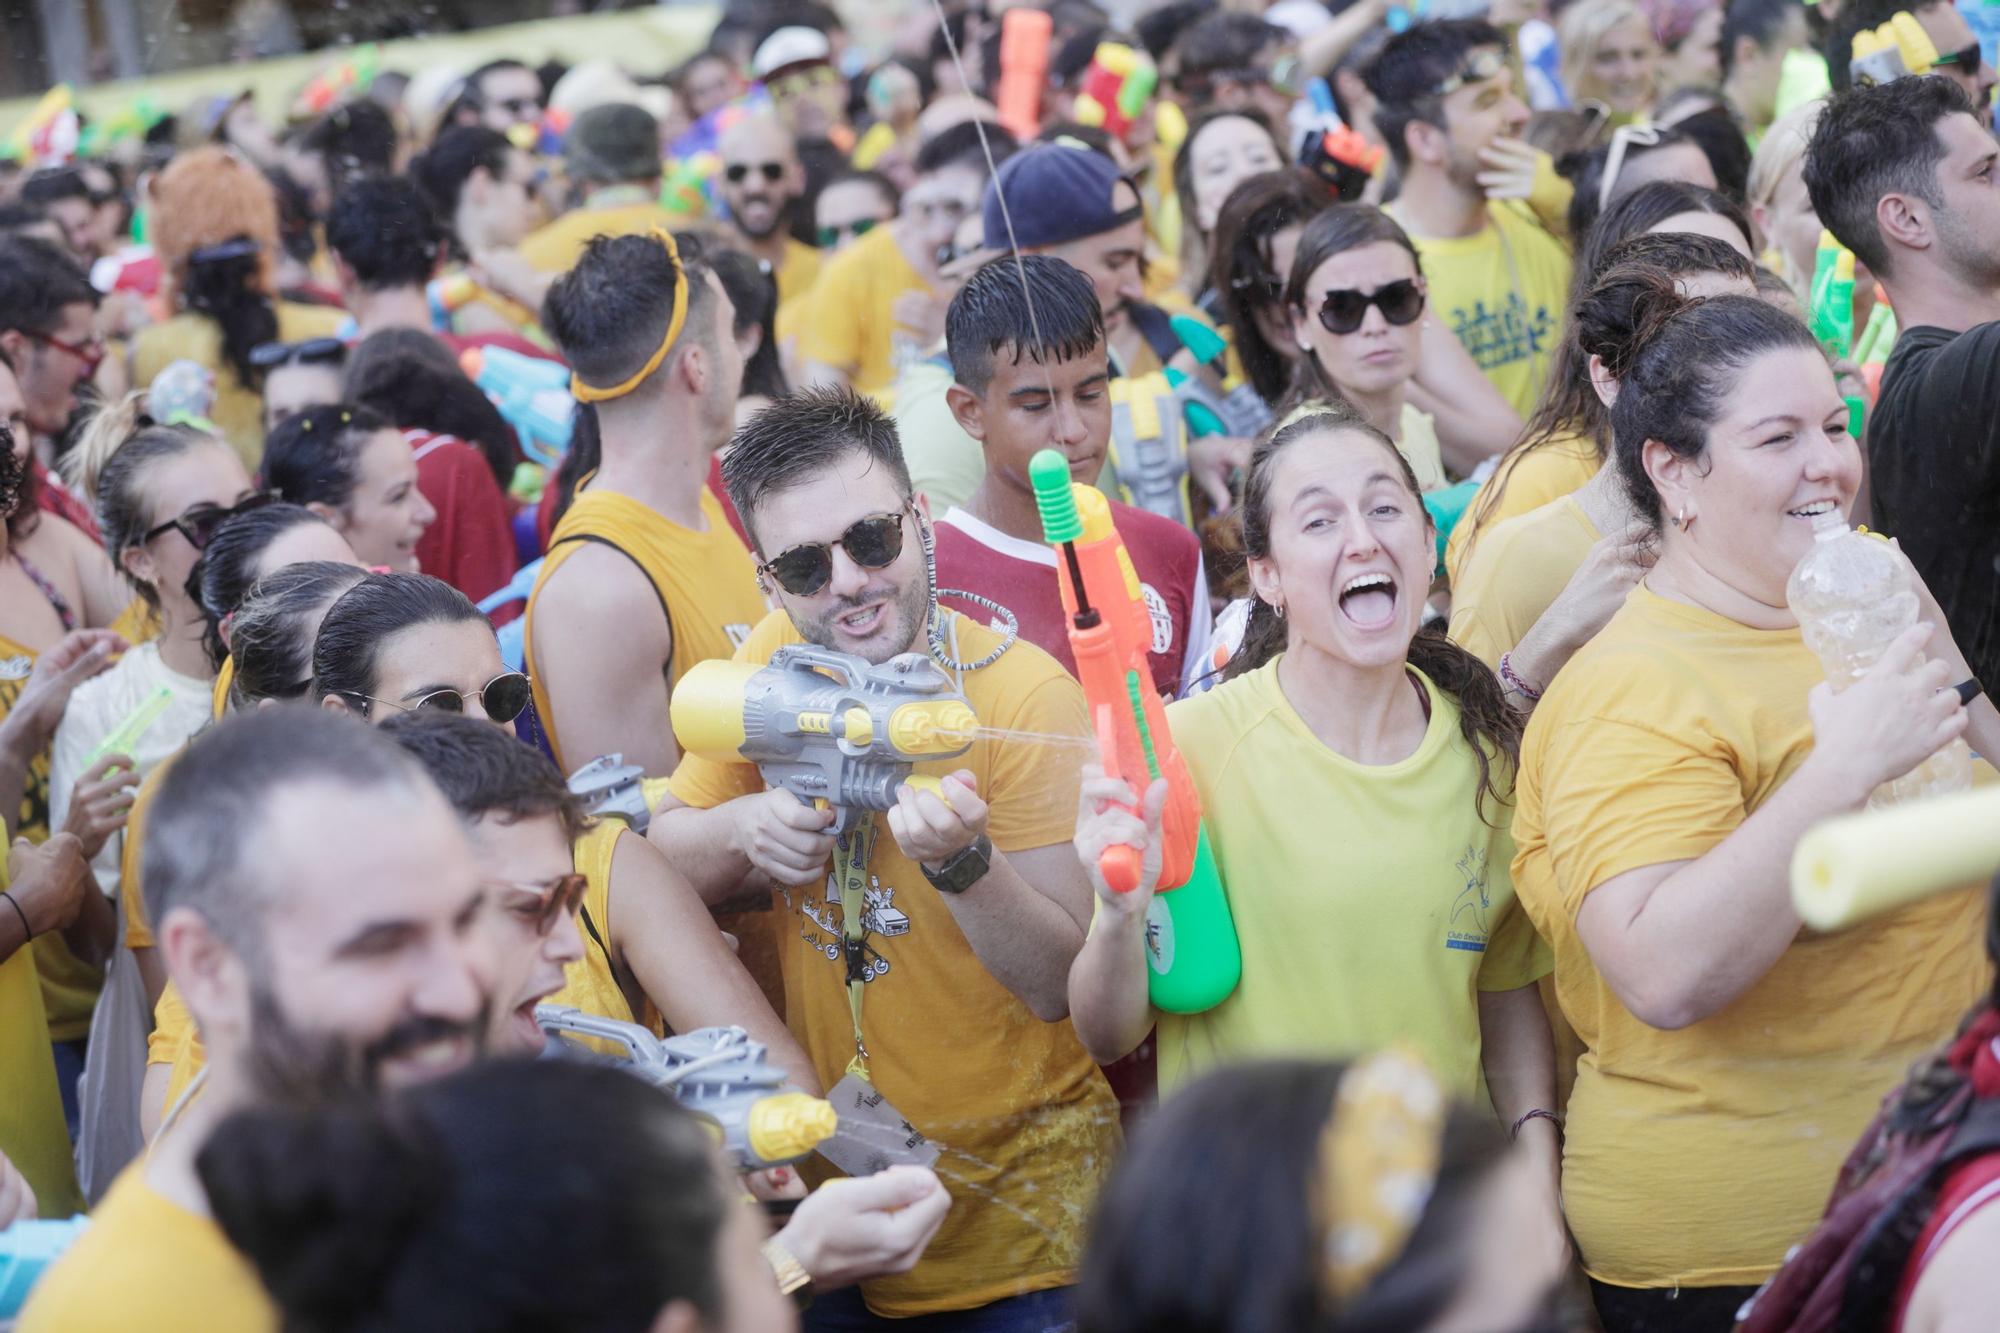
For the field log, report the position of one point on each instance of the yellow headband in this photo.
(1378, 1162)
(587, 393)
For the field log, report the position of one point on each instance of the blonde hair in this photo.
(109, 465)
(1778, 154)
(1581, 29)
(205, 197)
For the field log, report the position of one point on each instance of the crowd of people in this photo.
(1465, 391)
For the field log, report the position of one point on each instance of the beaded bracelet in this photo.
(1537, 1114)
(1512, 681)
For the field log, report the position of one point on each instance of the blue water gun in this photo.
(26, 1251)
(531, 393)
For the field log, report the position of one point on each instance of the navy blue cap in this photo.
(1056, 192)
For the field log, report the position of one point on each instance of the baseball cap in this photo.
(615, 142)
(1056, 192)
(788, 47)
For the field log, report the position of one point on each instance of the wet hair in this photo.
(382, 228)
(345, 652)
(609, 312)
(1219, 45)
(37, 279)
(1405, 74)
(196, 854)
(1569, 405)
(111, 466)
(442, 172)
(1244, 1236)
(409, 378)
(800, 437)
(1605, 318)
(1585, 173)
(754, 293)
(1875, 141)
(959, 146)
(314, 456)
(1240, 269)
(484, 771)
(1759, 20)
(414, 1211)
(1335, 231)
(227, 569)
(272, 630)
(1683, 359)
(1490, 726)
(1036, 306)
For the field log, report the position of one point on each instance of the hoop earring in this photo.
(1278, 609)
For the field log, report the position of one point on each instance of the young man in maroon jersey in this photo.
(1027, 349)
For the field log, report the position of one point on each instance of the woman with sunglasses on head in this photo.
(1667, 776)
(1346, 750)
(356, 471)
(298, 375)
(1635, 156)
(214, 225)
(1569, 436)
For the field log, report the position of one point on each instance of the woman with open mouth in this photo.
(1355, 775)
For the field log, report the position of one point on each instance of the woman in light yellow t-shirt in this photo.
(1355, 776)
(1731, 1056)
(1537, 586)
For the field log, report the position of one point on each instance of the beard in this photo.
(910, 606)
(290, 1063)
(779, 212)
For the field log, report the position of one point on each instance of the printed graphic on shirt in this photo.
(1466, 928)
(821, 922)
(1504, 336)
(1161, 616)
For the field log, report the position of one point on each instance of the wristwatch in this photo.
(964, 869)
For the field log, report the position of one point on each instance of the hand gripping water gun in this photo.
(531, 393)
(722, 1076)
(825, 726)
(26, 1251)
(1832, 314)
(1330, 148)
(1024, 69)
(1116, 87)
(1850, 868)
(611, 788)
(450, 294)
(1238, 411)
(1191, 947)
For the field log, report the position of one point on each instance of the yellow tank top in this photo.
(706, 583)
(31, 1117)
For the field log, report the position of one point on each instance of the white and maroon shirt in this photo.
(1021, 576)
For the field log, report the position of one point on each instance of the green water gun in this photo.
(1832, 314)
(127, 733)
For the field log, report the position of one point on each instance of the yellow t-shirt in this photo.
(1027, 1123)
(1699, 1157)
(239, 410)
(1420, 446)
(1372, 902)
(32, 1134)
(556, 247)
(798, 273)
(706, 583)
(138, 926)
(851, 324)
(1515, 573)
(1502, 291)
(1527, 481)
(146, 1262)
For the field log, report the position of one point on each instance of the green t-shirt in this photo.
(1372, 903)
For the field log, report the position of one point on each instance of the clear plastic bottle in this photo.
(1853, 596)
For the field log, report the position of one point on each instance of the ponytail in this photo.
(586, 451)
(109, 464)
(271, 632)
(1490, 726)
(226, 283)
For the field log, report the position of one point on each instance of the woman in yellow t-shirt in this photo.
(1539, 585)
(1355, 776)
(1730, 1056)
(1569, 435)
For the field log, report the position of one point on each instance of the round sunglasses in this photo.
(872, 543)
(1400, 303)
(504, 698)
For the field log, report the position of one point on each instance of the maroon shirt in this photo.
(470, 544)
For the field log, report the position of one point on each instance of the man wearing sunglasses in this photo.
(1447, 109)
(761, 183)
(500, 95)
(48, 330)
(644, 575)
(954, 995)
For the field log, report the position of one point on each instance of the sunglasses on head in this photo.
(1966, 59)
(872, 543)
(200, 524)
(1400, 303)
(504, 698)
(310, 352)
(539, 905)
(738, 172)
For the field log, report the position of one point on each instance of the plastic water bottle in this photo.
(1853, 595)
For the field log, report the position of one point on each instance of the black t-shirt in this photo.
(1934, 472)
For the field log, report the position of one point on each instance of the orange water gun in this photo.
(1025, 35)
(1191, 946)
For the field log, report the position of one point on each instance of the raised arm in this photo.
(1474, 421)
(1108, 1000)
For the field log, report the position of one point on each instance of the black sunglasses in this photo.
(504, 698)
(1966, 59)
(311, 352)
(738, 172)
(200, 524)
(872, 543)
(1400, 303)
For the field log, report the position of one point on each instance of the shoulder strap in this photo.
(640, 565)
